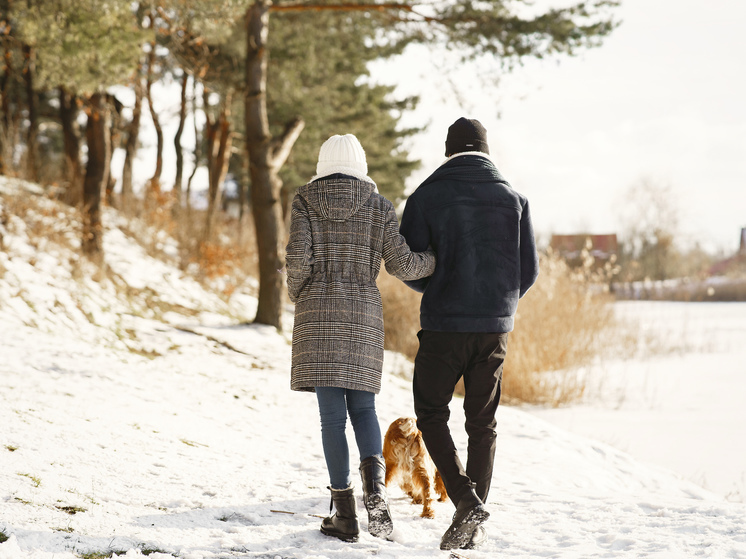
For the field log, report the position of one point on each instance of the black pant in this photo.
(442, 359)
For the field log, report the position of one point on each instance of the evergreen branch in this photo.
(347, 7)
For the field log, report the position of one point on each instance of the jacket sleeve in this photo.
(299, 252)
(529, 256)
(400, 261)
(415, 230)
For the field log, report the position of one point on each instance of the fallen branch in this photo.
(290, 512)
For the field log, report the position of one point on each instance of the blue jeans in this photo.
(334, 405)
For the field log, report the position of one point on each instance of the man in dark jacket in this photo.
(481, 231)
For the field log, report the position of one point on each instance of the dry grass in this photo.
(45, 221)
(401, 315)
(560, 326)
(223, 264)
(227, 260)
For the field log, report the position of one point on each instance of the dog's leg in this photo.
(440, 487)
(421, 480)
(391, 468)
(406, 486)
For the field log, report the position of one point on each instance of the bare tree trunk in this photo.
(130, 146)
(219, 143)
(115, 134)
(243, 202)
(73, 172)
(33, 127)
(177, 141)
(11, 114)
(266, 157)
(6, 161)
(196, 148)
(97, 138)
(265, 202)
(155, 181)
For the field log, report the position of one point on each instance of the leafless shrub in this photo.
(561, 325)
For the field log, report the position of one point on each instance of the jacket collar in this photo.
(481, 154)
(465, 164)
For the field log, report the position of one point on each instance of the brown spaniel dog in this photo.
(407, 461)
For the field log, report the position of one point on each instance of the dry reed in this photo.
(401, 315)
(561, 325)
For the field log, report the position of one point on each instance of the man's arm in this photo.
(529, 256)
(415, 230)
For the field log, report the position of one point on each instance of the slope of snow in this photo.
(151, 421)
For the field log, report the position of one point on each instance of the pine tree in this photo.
(84, 46)
(488, 27)
(315, 71)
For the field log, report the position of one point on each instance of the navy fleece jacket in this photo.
(481, 230)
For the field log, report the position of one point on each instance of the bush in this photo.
(561, 325)
(401, 315)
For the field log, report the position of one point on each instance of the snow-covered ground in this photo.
(683, 407)
(149, 420)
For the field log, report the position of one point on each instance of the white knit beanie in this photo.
(342, 154)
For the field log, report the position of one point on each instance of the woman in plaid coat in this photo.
(340, 230)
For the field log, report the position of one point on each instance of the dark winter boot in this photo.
(478, 537)
(373, 474)
(470, 514)
(343, 523)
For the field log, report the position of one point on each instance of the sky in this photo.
(663, 100)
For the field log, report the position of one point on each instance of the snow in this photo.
(152, 420)
(683, 406)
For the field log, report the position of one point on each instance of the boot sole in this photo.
(380, 524)
(459, 535)
(350, 538)
(476, 544)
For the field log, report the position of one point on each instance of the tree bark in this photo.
(219, 143)
(243, 201)
(266, 157)
(155, 181)
(130, 146)
(264, 195)
(33, 128)
(71, 147)
(115, 133)
(197, 146)
(177, 141)
(6, 159)
(97, 137)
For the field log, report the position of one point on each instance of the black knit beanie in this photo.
(466, 135)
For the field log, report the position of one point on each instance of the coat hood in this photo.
(337, 198)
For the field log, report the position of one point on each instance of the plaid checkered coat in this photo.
(340, 229)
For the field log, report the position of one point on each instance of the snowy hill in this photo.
(139, 415)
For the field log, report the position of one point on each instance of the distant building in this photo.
(570, 247)
(734, 264)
